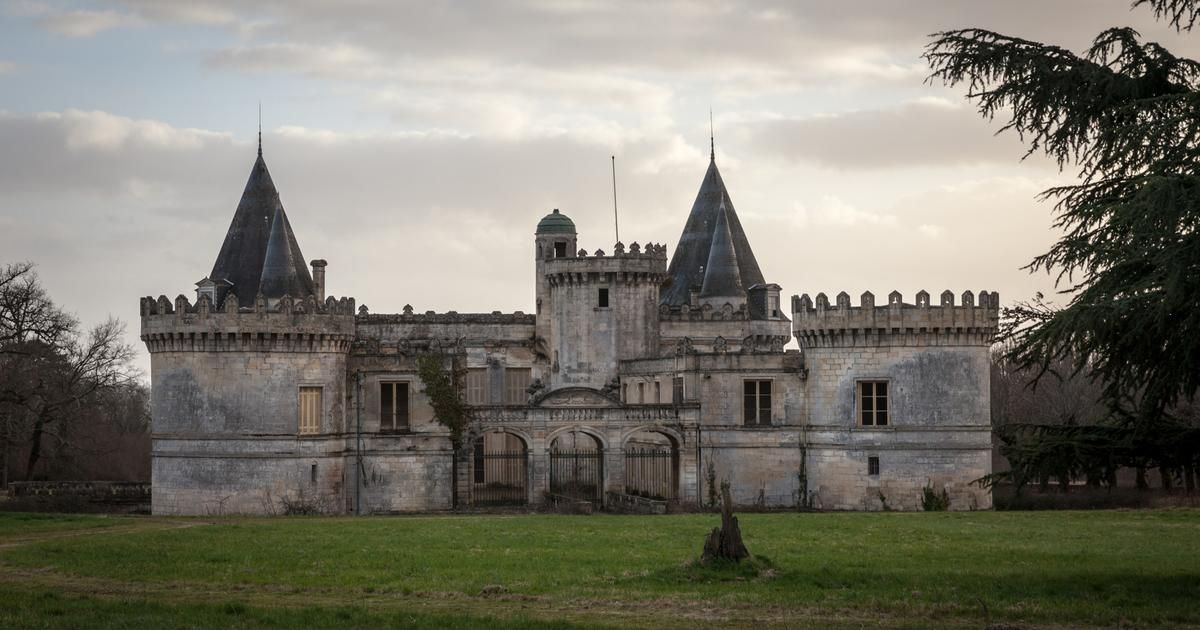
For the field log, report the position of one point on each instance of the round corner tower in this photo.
(249, 383)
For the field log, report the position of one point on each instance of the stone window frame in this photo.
(303, 426)
(888, 413)
(770, 408)
(408, 383)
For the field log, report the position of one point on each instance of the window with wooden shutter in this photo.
(310, 410)
(516, 385)
(477, 386)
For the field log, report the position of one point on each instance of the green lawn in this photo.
(838, 570)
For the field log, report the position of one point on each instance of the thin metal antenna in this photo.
(260, 129)
(616, 226)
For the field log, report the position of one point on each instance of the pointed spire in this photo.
(712, 143)
(687, 269)
(722, 277)
(244, 251)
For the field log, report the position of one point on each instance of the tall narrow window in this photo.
(516, 386)
(873, 466)
(560, 249)
(641, 393)
(873, 403)
(756, 403)
(602, 299)
(393, 406)
(477, 386)
(657, 392)
(310, 410)
(677, 390)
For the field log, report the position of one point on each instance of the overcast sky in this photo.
(416, 144)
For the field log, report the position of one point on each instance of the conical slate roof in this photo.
(280, 273)
(722, 277)
(258, 225)
(695, 244)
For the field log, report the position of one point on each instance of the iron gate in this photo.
(577, 473)
(499, 477)
(651, 473)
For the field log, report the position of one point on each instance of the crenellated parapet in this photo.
(819, 323)
(636, 265)
(286, 325)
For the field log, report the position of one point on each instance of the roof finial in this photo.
(712, 144)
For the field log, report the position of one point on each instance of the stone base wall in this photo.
(222, 485)
(838, 478)
(761, 465)
(402, 482)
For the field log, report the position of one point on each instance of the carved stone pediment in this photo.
(575, 397)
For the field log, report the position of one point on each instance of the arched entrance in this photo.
(652, 466)
(499, 471)
(577, 466)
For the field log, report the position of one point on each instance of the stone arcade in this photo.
(633, 385)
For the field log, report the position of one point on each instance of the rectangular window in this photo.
(602, 299)
(677, 390)
(756, 403)
(873, 466)
(310, 410)
(773, 305)
(516, 386)
(560, 249)
(393, 406)
(657, 393)
(477, 386)
(641, 393)
(873, 403)
(625, 393)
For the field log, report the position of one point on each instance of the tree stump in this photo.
(725, 542)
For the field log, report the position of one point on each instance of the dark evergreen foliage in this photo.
(1126, 114)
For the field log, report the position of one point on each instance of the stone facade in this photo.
(614, 391)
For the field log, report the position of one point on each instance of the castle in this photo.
(635, 384)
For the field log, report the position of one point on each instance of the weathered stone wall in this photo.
(935, 361)
(225, 404)
(586, 340)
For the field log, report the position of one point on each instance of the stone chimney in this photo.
(318, 275)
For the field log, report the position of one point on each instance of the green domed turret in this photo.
(556, 223)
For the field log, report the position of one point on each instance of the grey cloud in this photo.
(913, 135)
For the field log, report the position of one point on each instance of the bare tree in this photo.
(50, 372)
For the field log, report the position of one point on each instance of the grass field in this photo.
(1054, 569)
